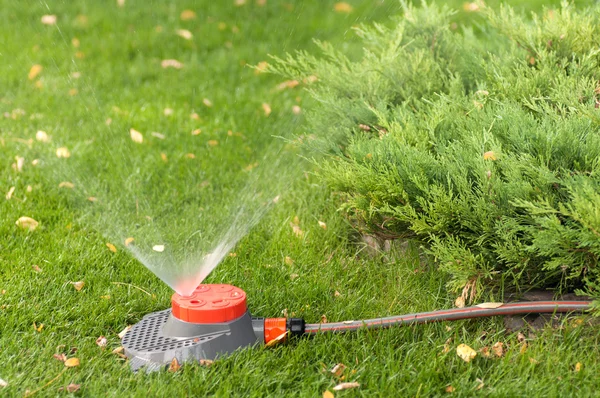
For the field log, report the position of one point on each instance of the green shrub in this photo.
(485, 146)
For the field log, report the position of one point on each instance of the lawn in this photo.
(214, 116)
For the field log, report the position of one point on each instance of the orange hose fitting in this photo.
(274, 328)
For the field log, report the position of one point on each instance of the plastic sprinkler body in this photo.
(212, 322)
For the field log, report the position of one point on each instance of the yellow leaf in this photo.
(27, 223)
(266, 108)
(489, 155)
(10, 192)
(288, 260)
(578, 367)
(42, 136)
(207, 102)
(163, 156)
(171, 63)
(129, 241)
(78, 285)
(66, 184)
(111, 247)
(158, 248)
(489, 305)
(34, 71)
(63, 152)
(345, 386)
(49, 19)
(38, 328)
(186, 34)
(342, 7)
(322, 225)
(187, 15)
(459, 302)
(328, 394)
(136, 136)
(196, 132)
(261, 67)
(123, 332)
(465, 352)
(213, 142)
(72, 362)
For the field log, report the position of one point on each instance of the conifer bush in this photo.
(483, 145)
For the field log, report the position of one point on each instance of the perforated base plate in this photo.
(159, 337)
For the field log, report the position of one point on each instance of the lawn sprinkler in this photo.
(214, 321)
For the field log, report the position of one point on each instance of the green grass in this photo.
(121, 79)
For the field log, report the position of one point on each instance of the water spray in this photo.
(214, 321)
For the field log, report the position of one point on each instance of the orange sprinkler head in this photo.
(210, 304)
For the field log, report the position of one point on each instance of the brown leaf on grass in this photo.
(465, 352)
(323, 318)
(449, 389)
(187, 15)
(205, 362)
(213, 142)
(78, 285)
(118, 350)
(498, 349)
(49, 19)
(174, 366)
(63, 152)
(136, 136)
(129, 241)
(523, 348)
(338, 369)
(184, 33)
(92, 199)
(123, 332)
(10, 192)
(287, 84)
(337, 294)
(459, 302)
(266, 108)
(295, 224)
(3, 383)
(345, 386)
(101, 341)
(72, 362)
(60, 357)
(111, 247)
(490, 305)
(66, 184)
(261, 67)
(521, 337)
(294, 276)
(27, 223)
(34, 71)
(171, 63)
(196, 132)
(328, 394)
(36, 268)
(342, 7)
(71, 388)
(485, 352)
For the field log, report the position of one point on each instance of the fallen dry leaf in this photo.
(101, 341)
(521, 337)
(92, 199)
(10, 192)
(49, 19)
(196, 132)
(338, 369)
(66, 184)
(337, 294)
(123, 332)
(323, 318)
(205, 362)
(322, 225)
(111, 247)
(213, 142)
(3, 383)
(489, 305)
(261, 67)
(36, 268)
(38, 328)
(60, 357)
(287, 84)
(498, 349)
(266, 108)
(345, 386)
(296, 110)
(72, 362)
(489, 155)
(136, 136)
(18, 165)
(118, 350)
(129, 241)
(288, 260)
(294, 276)
(207, 102)
(186, 34)
(459, 302)
(533, 361)
(187, 15)
(328, 394)
(578, 367)
(342, 7)
(34, 71)
(485, 351)
(71, 388)
(78, 285)
(171, 63)
(465, 352)
(450, 389)
(63, 152)
(523, 348)
(471, 7)
(42, 136)
(158, 248)
(27, 223)
(157, 135)
(174, 366)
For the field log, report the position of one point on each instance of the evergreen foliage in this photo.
(485, 146)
